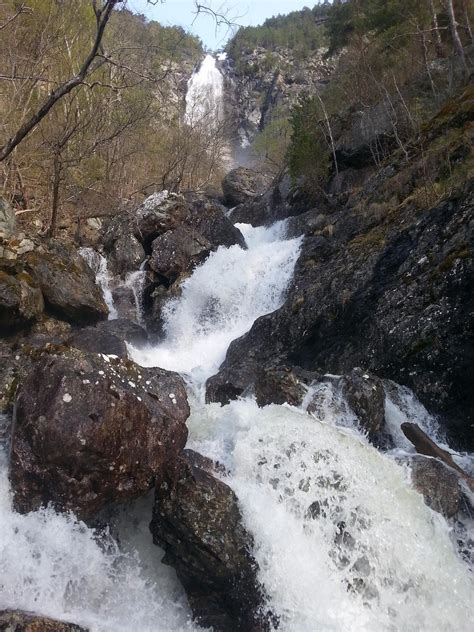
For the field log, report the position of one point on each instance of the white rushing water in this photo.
(343, 542)
(204, 97)
(221, 301)
(103, 278)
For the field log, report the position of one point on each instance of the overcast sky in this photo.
(243, 12)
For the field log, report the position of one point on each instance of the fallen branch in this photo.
(426, 446)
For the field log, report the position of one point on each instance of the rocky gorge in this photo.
(247, 411)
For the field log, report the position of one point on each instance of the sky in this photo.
(242, 12)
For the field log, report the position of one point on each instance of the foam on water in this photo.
(342, 540)
(56, 566)
(221, 301)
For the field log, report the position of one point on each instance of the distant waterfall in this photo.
(204, 98)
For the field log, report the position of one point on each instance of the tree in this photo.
(102, 15)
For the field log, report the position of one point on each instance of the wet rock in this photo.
(388, 291)
(241, 185)
(365, 395)
(177, 252)
(67, 283)
(90, 430)
(282, 384)
(126, 255)
(18, 621)
(208, 218)
(7, 219)
(124, 302)
(196, 519)
(438, 484)
(21, 300)
(228, 385)
(109, 337)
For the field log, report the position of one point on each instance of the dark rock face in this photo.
(154, 217)
(21, 300)
(109, 337)
(393, 293)
(177, 252)
(91, 430)
(365, 395)
(241, 185)
(208, 218)
(126, 255)
(282, 384)
(438, 484)
(67, 283)
(196, 519)
(17, 621)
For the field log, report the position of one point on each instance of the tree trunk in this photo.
(437, 33)
(458, 47)
(55, 199)
(467, 21)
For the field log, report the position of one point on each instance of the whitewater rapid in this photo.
(343, 542)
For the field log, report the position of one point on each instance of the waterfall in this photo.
(204, 98)
(343, 542)
(221, 301)
(103, 278)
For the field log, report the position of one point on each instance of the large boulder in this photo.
(126, 255)
(7, 219)
(67, 283)
(242, 184)
(21, 300)
(208, 218)
(177, 252)
(109, 337)
(159, 213)
(18, 621)
(365, 395)
(91, 429)
(282, 385)
(197, 521)
(439, 485)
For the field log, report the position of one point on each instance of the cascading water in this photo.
(98, 263)
(344, 543)
(204, 98)
(221, 301)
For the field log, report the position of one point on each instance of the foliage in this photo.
(105, 141)
(301, 31)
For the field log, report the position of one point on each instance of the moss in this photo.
(374, 238)
(463, 252)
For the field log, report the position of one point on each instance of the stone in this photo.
(438, 484)
(18, 621)
(67, 283)
(91, 430)
(197, 521)
(176, 252)
(126, 255)
(21, 300)
(282, 385)
(109, 337)
(242, 185)
(365, 395)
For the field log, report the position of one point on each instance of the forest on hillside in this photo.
(118, 134)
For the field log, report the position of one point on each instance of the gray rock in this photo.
(241, 185)
(89, 431)
(176, 252)
(18, 621)
(21, 300)
(7, 219)
(438, 484)
(196, 519)
(126, 255)
(67, 283)
(365, 395)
